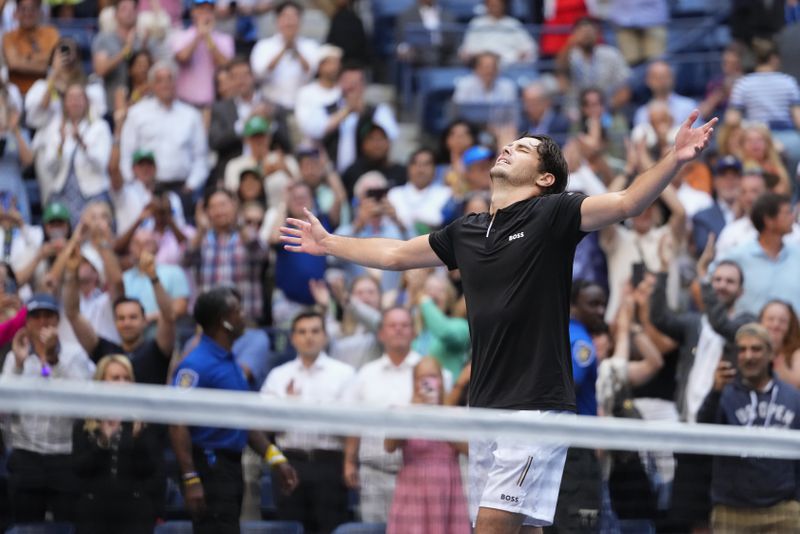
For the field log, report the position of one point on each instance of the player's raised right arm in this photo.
(389, 254)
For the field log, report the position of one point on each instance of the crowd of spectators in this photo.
(158, 165)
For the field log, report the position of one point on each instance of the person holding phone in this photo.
(428, 495)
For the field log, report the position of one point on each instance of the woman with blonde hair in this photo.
(757, 149)
(117, 465)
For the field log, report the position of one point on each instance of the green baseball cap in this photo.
(256, 125)
(56, 211)
(251, 170)
(143, 154)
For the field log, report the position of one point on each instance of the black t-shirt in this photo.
(517, 276)
(150, 364)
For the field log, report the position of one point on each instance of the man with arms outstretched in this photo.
(516, 270)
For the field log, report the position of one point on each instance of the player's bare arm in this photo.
(602, 210)
(388, 254)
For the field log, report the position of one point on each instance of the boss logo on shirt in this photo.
(509, 498)
(516, 236)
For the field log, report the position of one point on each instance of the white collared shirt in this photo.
(323, 383)
(419, 205)
(284, 81)
(175, 135)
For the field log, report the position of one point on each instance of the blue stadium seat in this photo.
(462, 10)
(384, 15)
(42, 528)
(361, 528)
(694, 71)
(271, 527)
(435, 86)
(522, 75)
(174, 527)
(486, 113)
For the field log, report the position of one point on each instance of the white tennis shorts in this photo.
(522, 477)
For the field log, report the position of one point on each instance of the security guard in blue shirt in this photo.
(578, 506)
(210, 458)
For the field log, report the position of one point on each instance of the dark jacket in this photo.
(685, 329)
(705, 222)
(749, 481)
(428, 49)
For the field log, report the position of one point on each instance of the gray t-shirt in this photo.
(112, 44)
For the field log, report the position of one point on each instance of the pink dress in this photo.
(428, 497)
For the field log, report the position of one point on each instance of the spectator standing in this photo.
(210, 459)
(427, 15)
(313, 377)
(387, 381)
(27, 49)
(316, 97)
(660, 80)
(712, 220)
(44, 101)
(149, 357)
(115, 463)
(753, 493)
(771, 97)
(419, 202)
(750, 19)
(16, 156)
(346, 32)
(640, 27)
(112, 50)
(499, 33)
(222, 253)
(326, 185)
(342, 122)
(539, 114)
(170, 129)
(286, 61)
(72, 155)
(199, 51)
(485, 85)
(718, 89)
(742, 229)
(40, 468)
(589, 63)
(428, 495)
(769, 264)
(274, 166)
(374, 146)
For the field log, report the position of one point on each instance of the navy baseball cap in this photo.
(728, 163)
(42, 301)
(475, 154)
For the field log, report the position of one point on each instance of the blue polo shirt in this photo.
(584, 368)
(211, 366)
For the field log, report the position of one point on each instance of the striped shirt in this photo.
(766, 97)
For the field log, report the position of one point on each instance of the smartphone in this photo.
(637, 276)
(429, 388)
(378, 193)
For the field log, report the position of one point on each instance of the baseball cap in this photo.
(143, 154)
(475, 154)
(251, 170)
(42, 301)
(727, 163)
(55, 211)
(256, 125)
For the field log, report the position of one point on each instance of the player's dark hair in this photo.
(736, 266)
(213, 305)
(551, 160)
(125, 300)
(767, 205)
(302, 316)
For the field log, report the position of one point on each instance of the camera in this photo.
(377, 193)
(64, 49)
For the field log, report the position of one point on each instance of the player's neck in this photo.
(504, 195)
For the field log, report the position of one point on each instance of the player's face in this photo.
(518, 162)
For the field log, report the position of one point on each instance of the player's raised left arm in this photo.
(601, 210)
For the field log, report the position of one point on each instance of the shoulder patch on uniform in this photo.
(583, 353)
(187, 378)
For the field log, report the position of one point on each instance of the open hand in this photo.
(304, 236)
(287, 478)
(689, 142)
